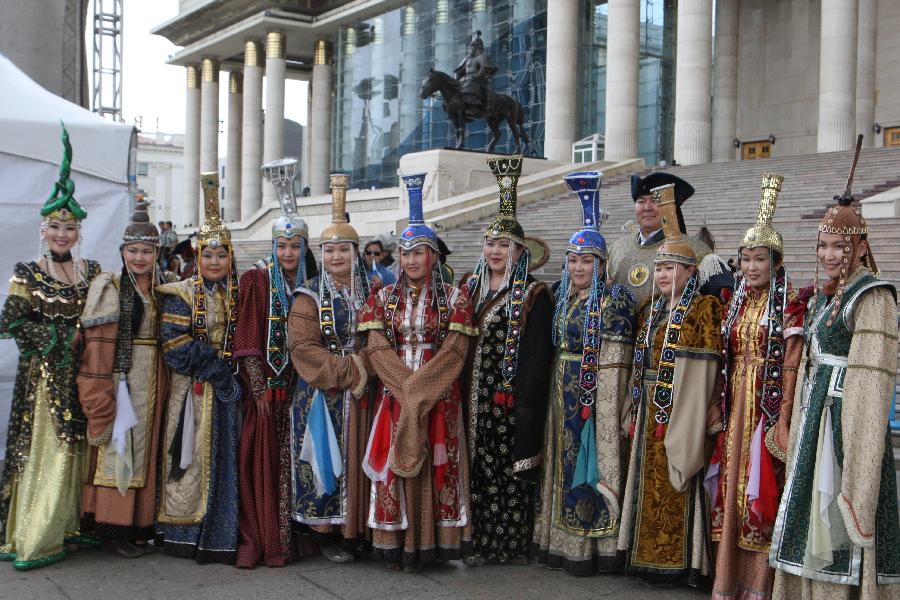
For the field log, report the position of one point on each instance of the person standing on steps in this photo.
(632, 256)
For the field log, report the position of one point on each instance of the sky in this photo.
(153, 91)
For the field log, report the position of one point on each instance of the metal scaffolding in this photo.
(107, 80)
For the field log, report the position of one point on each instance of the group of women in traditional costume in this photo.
(694, 437)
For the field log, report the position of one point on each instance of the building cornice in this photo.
(316, 18)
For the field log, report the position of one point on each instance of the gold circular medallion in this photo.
(638, 275)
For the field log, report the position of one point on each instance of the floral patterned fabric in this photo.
(503, 467)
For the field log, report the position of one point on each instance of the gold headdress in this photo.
(762, 234)
(340, 229)
(675, 248)
(212, 233)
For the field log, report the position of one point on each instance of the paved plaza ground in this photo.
(94, 575)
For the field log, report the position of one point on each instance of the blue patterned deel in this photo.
(417, 232)
(588, 240)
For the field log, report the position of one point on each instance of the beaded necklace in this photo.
(665, 375)
(200, 330)
(440, 296)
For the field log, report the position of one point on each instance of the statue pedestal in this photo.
(451, 173)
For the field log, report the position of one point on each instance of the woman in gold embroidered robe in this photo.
(664, 527)
(762, 341)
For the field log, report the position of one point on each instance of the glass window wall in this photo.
(380, 65)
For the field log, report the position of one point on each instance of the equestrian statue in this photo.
(468, 96)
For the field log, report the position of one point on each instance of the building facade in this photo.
(691, 81)
(160, 168)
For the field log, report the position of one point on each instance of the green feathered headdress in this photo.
(62, 204)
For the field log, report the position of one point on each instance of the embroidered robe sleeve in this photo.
(868, 383)
(697, 366)
(431, 383)
(385, 361)
(18, 322)
(778, 436)
(315, 364)
(613, 385)
(96, 383)
(532, 385)
(250, 335)
(197, 360)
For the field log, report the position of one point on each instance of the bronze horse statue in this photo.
(503, 107)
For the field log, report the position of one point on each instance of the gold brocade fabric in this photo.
(142, 385)
(747, 362)
(662, 511)
(45, 504)
(184, 502)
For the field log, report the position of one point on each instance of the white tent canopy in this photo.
(30, 153)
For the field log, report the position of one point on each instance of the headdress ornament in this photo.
(588, 240)
(212, 233)
(417, 232)
(141, 229)
(339, 230)
(762, 234)
(281, 173)
(507, 170)
(62, 204)
(845, 219)
(675, 248)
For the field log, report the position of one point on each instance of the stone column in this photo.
(837, 76)
(233, 151)
(562, 70)
(209, 116)
(481, 18)
(190, 209)
(724, 107)
(306, 142)
(251, 130)
(320, 122)
(865, 71)
(444, 52)
(693, 63)
(273, 140)
(409, 72)
(622, 68)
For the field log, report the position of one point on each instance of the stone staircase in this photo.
(726, 200)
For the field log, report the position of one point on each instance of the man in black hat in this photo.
(631, 257)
